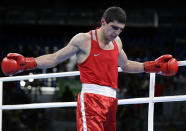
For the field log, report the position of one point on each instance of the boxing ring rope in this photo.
(151, 99)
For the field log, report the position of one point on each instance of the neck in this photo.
(101, 38)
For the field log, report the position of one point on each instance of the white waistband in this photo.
(97, 89)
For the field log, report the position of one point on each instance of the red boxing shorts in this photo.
(96, 108)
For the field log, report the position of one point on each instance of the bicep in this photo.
(75, 45)
(68, 51)
(128, 65)
(122, 59)
(51, 60)
(65, 53)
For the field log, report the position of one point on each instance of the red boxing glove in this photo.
(165, 65)
(16, 63)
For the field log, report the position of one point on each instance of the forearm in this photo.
(46, 61)
(133, 67)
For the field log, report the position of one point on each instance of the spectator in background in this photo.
(67, 94)
(99, 53)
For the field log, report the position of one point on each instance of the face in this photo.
(112, 30)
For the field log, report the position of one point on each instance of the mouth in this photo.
(113, 36)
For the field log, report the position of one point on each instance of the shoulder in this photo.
(81, 38)
(119, 43)
(81, 41)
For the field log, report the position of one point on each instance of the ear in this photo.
(103, 22)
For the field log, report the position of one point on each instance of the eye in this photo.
(115, 27)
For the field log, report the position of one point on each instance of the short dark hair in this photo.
(114, 13)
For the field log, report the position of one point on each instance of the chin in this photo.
(112, 39)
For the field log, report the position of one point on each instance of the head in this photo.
(113, 22)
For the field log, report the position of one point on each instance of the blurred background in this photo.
(39, 27)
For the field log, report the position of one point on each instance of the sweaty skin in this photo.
(80, 46)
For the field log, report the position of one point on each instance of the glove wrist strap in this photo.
(30, 63)
(150, 67)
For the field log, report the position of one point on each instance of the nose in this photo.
(118, 31)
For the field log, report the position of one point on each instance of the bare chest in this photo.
(109, 46)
